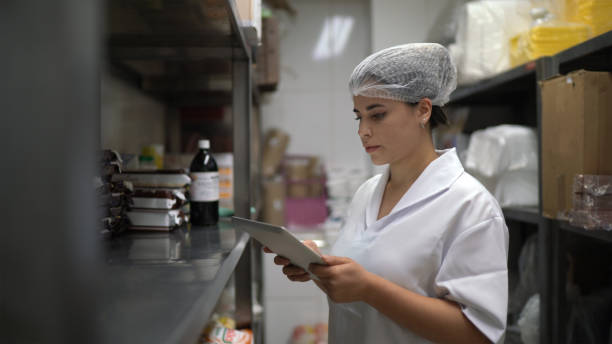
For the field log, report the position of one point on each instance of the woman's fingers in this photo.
(292, 270)
(312, 245)
(279, 260)
(267, 250)
(299, 278)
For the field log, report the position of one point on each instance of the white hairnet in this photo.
(406, 73)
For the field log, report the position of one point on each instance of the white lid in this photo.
(203, 144)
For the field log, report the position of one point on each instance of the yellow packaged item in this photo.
(519, 52)
(595, 13)
(552, 37)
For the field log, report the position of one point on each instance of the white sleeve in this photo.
(474, 273)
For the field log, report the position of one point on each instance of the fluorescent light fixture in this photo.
(333, 38)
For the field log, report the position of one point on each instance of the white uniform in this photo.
(445, 238)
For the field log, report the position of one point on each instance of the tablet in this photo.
(280, 241)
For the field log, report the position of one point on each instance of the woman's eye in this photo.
(378, 116)
(358, 118)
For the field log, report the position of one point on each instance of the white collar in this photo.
(437, 177)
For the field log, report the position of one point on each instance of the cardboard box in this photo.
(268, 57)
(249, 12)
(576, 134)
(274, 201)
(275, 145)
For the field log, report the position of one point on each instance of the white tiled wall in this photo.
(312, 102)
(406, 21)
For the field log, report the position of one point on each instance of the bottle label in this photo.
(204, 186)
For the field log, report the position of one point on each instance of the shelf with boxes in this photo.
(568, 145)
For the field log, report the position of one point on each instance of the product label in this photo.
(204, 186)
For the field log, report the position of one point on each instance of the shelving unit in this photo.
(520, 84)
(163, 287)
(184, 53)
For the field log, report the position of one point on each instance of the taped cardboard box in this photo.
(275, 145)
(274, 201)
(576, 134)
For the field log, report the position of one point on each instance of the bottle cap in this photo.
(203, 144)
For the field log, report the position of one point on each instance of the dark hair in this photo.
(438, 116)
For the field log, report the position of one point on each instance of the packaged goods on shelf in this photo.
(217, 333)
(156, 220)
(591, 219)
(595, 13)
(306, 334)
(576, 135)
(551, 37)
(274, 200)
(158, 199)
(504, 158)
(341, 183)
(155, 179)
(529, 321)
(481, 47)
(225, 162)
(593, 184)
(275, 145)
(592, 202)
(305, 182)
(114, 197)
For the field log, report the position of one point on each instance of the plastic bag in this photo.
(595, 13)
(504, 159)
(529, 321)
(528, 276)
(484, 30)
(592, 202)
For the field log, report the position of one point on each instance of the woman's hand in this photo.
(343, 279)
(294, 273)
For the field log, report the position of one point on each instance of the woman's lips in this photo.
(371, 149)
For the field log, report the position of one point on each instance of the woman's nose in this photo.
(364, 131)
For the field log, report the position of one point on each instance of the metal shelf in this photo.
(516, 79)
(594, 54)
(523, 214)
(163, 287)
(600, 235)
(170, 48)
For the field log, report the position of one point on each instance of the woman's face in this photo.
(389, 130)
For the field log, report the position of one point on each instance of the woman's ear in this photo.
(424, 110)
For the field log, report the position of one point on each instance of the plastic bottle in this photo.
(204, 189)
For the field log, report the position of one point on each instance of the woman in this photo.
(422, 254)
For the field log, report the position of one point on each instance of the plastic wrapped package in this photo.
(593, 184)
(484, 30)
(595, 13)
(591, 219)
(589, 202)
(592, 202)
(504, 159)
(551, 37)
(528, 276)
(517, 188)
(529, 321)
(502, 148)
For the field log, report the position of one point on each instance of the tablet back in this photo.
(280, 241)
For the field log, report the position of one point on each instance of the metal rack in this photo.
(186, 53)
(594, 54)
